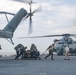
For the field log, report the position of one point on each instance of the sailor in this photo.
(22, 51)
(34, 52)
(33, 47)
(17, 48)
(50, 49)
(17, 53)
(66, 49)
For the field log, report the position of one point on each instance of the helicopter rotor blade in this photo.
(30, 14)
(48, 36)
(69, 35)
(30, 25)
(37, 10)
(24, 1)
(41, 36)
(30, 18)
(72, 34)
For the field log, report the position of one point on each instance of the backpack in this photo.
(18, 46)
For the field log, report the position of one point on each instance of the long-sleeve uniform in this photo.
(66, 53)
(50, 48)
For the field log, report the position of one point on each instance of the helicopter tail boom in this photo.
(12, 25)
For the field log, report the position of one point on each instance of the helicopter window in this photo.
(69, 40)
(61, 43)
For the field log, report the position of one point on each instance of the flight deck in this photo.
(59, 66)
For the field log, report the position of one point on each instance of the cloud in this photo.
(56, 17)
(61, 15)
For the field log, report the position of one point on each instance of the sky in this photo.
(54, 17)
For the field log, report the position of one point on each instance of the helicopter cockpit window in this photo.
(61, 42)
(69, 40)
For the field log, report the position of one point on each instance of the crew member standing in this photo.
(50, 49)
(66, 49)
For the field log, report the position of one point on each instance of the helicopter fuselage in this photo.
(5, 34)
(59, 45)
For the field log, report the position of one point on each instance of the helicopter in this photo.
(59, 44)
(9, 29)
(66, 40)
